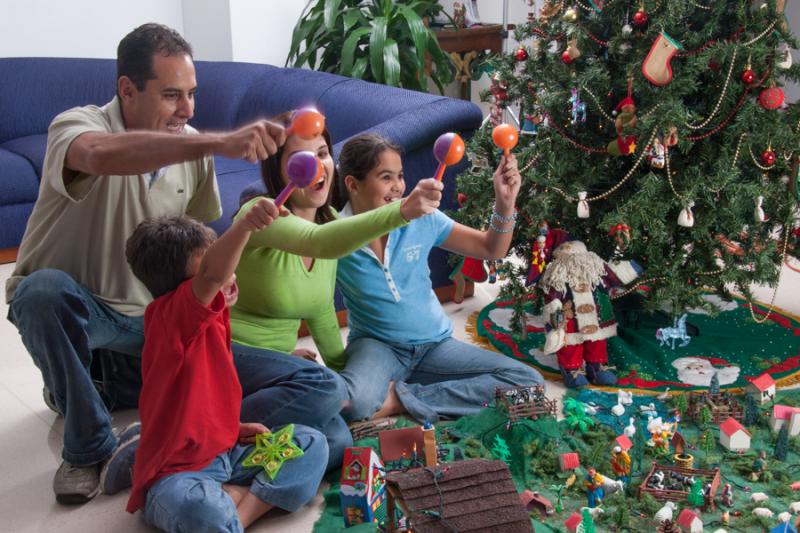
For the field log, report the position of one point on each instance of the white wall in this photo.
(207, 26)
(262, 29)
(77, 28)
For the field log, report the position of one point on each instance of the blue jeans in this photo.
(61, 323)
(281, 388)
(194, 502)
(440, 379)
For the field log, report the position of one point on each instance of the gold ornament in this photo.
(570, 15)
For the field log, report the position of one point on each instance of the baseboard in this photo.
(8, 255)
(444, 293)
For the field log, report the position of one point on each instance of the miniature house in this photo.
(362, 487)
(473, 495)
(571, 524)
(568, 461)
(733, 436)
(533, 501)
(690, 522)
(763, 387)
(408, 447)
(784, 414)
(623, 442)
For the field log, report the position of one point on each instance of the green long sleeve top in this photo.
(276, 290)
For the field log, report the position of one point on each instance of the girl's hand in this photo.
(423, 200)
(507, 181)
(249, 430)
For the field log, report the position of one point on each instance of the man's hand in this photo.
(249, 430)
(254, 142)
(262, 214)
(423, 200)
(305, 354)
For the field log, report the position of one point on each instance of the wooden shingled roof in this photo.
(476, 495)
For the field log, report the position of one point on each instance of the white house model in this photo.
(733, 436)
(763, 387)
(784, 414)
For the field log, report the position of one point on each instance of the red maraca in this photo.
(448, 150)
(304, 170)
(505, 136)
(306, 123)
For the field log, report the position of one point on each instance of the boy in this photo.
(188, 473)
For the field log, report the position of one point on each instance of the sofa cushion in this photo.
(31, 147)
(233, 175)
(14, 219)
(18, 180)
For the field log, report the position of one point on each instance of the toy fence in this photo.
(722, 406)
(538, 406)
(708, 476)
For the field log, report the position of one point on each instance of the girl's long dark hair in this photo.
(359, 156)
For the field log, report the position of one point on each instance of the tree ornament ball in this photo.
(748, 76)
(521, 54)
(566, 58)
(768, 157)
(640, 18)
(501, 95)
(771, 98)
(570, 15)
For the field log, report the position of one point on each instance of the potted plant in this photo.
(384, 41)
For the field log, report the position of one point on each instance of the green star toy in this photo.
(272, 450)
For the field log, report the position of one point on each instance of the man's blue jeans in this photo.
(195, 501)
(445, 379)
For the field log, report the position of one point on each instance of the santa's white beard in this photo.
(574, 269)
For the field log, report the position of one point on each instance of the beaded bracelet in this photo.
(500, 218)
(498, 230)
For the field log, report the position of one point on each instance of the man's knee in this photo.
(41, 290)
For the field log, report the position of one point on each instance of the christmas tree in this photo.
(652, 131)
(751, 411)
(695, 496)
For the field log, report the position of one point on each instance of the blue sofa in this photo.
(35, 90)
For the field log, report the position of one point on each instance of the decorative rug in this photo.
(731, 344)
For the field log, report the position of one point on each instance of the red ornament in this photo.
(566, 58)
(640, 18)
(521, 54)
(771, 98)
(748, 76)
(501, 95)
(768, 157)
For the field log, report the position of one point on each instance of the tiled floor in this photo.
(30, 438)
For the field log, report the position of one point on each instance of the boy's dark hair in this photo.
(136, 50)
(358, 157)
(160, 249)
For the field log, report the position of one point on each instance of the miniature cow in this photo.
(665, 513)
(758, 497)
(794, 507)
(763, 512)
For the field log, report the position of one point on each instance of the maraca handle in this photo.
(506, 152)
(284, 195)
(290, 131)
(439, 172)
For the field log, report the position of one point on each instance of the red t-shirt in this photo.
(191, 396)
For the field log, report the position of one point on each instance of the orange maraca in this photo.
(306, 123)
(448, 150)
(505, 136)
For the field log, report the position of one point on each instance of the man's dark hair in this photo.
(160, 249)
(136, 50)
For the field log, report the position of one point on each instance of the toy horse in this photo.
(578, 107)
(678, 332)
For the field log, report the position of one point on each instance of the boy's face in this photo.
(229, 290)
(383, 185)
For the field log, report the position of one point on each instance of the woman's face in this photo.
(316, 195)
(383, 184)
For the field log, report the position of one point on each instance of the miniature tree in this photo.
(713, 387)
(706, 442)
(639, 445)
(587, 524)
(782, 444)
(751, 412)
(696, 494)
(500, 450)
(681, 403)
(704, 416)
(622, 518)
(559, 490)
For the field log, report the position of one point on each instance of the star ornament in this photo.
(632, 148)
(272, 450)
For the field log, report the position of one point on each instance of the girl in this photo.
(401, 356)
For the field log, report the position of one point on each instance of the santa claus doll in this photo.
(578, 311)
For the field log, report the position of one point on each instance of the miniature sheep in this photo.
(784, 517)
(611, 486)
(763, 512)
(758, 497)
(665, 513)
(720, 531)
(794, 507)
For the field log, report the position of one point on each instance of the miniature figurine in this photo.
(630, 429)
(621, 464)
(727, 495)
(657, 154)
(593, 483)
(760, 472)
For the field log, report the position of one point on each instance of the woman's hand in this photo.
(249, 430)
(507, 181)
(423, 200)
(305, 354)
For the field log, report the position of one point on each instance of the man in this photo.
(106, 169)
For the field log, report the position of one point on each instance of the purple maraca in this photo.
(304, 170)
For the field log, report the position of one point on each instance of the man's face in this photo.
(167, 102)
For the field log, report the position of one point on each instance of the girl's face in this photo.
(383, 184)
(316, 195)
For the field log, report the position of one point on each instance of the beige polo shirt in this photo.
(81, 228)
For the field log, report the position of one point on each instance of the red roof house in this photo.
(784, 414)
(734, 436)
(690, 522)
(623, 442)
(568, 461)
(573, 522)
(763, 386)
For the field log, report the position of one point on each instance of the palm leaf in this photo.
(391, 63)
(377, 40)
(348, 51)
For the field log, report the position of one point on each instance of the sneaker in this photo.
(76, 484)
(117, 472)
(50, 400)
(600, 374)
(574, 379)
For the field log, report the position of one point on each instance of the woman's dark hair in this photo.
(160, 249)
(136, 50)
(273, 181)
(359, 156)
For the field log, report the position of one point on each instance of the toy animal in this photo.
(665, 513)
(677, 332)
(758, 497)
(578, 107)
(763, 512)
(794, 507)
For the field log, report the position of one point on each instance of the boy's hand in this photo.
(507, 181)
(423, 200)
(262, 214)
(249, 430)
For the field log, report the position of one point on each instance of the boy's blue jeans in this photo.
(447, 379)
(195, 501)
